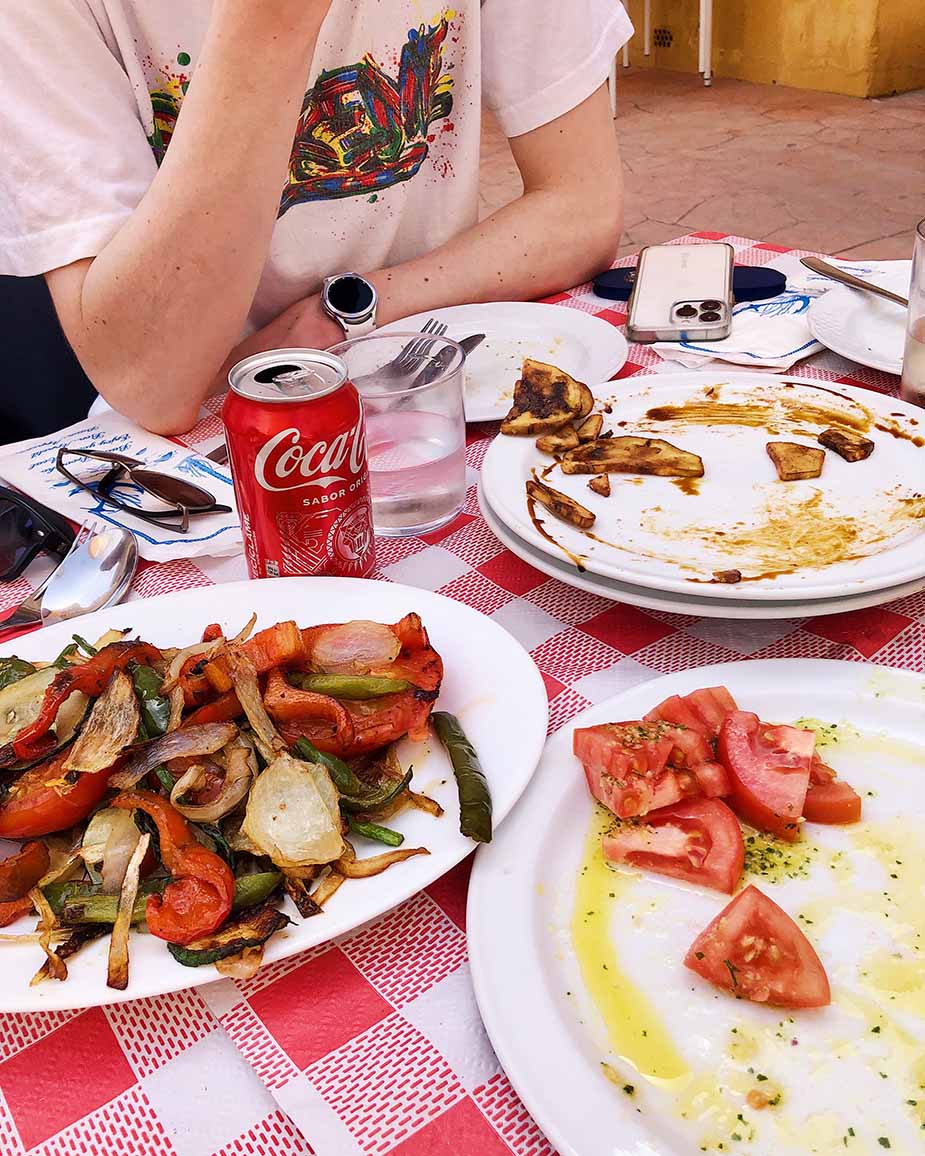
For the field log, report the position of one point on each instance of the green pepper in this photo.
(61, 662)
(13, 669)
(165, 778)
(355, 795)
(474, 795)
(85, 646)
(348, 686)
(377, 798)
(155, 709)
(85, 903)
(378, 834)
(251, 929)
(344, 778)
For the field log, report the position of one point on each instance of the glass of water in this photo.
(415, 428)
(913, 379)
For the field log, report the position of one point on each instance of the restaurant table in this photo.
(373, 1043)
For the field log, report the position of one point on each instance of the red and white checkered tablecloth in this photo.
(373, 1044)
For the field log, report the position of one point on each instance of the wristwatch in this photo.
(351, 300)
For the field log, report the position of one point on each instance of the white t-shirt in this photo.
(385, 162)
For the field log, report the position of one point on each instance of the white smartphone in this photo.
(682, 293)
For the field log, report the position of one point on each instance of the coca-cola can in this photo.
(297, 447)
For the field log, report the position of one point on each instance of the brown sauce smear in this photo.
(687, 485)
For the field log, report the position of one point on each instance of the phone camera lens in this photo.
(686, 311)
(709, 315)
(711, 305)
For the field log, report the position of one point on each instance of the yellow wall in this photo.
(858, 47)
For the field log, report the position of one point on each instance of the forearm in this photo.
(161, 305)
(545, 241)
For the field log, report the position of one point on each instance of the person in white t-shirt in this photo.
(144, 143)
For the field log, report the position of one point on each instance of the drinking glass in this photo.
(415, 434)
(913, 379)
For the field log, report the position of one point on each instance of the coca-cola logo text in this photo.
(287, 463)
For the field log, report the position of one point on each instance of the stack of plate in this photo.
(854, 537)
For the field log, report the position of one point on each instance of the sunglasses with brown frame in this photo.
(184, 499)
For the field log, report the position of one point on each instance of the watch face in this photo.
(350, 296)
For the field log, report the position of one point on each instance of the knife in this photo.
(433, 370)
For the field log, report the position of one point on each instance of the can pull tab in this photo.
(295, 377)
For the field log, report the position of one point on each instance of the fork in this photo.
(409, 359)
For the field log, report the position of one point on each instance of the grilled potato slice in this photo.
(632, 455)
(600, 485)
(846, 443)
(561, 505)
(557, 443)
(591, 427)
(794, 462)
(545, 399)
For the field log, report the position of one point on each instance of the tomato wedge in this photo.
(754, 950)
(833, 802)
(698, 840)
(44, 799)
(769, 768)
(702, 711)
(625, 766)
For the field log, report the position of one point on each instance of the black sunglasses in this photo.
(27, 529)
(184, 499)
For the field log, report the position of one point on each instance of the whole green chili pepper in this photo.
(377, 798)
(348, 686)
(62, 660)
(84, 645)
(474, 795)
(344, 778)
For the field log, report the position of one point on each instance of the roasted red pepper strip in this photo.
(198, 899)
(46, 798)
(10, 912)
(287, 703)
(222, 709)
(90, 678)
(20, 872)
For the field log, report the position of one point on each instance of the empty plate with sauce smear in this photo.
(858, 526)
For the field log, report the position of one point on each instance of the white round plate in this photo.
(861, 326)
(489, 680)
(664, 534)
(829, 1064)
(677, 603)
(585, 346)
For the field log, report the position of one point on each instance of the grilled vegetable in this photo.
(377, 798)
(560, 504)
(342, 775)
(795, 462)
(352, 868)
(20, 704)
(155, 708)
(198, 898)
(85, 903)
(293, 815)
(352, 687)
(376, 833)
(591, 427)
(117, 972)
(557, 443)
(74, 942)
(299, 891)
(545, 398)
(600, 485)
(252, 928)
(240, 771)
(111, 727)
(19, 873)
(190, 740)
(633, 455)
(847, 444)
(90, 678)
(474, 794)
(13, 669)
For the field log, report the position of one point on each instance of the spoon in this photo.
(830, 271)
(96, 572)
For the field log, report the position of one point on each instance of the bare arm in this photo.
(565, 228)
(152, 317)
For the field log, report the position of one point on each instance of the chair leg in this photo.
(708, 44)
(647, 27)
